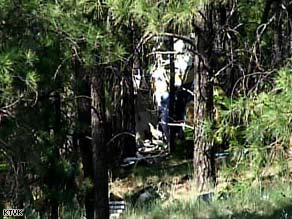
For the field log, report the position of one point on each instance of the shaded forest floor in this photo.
(166, 190)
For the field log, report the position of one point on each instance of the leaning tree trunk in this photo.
(101, 208)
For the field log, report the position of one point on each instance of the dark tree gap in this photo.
(128, 114)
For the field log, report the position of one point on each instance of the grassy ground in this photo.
(243, 199)
(268, 203)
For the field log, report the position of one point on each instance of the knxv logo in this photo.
(13, 212)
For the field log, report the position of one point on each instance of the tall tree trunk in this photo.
(83, 131)
(204, 160)
(101, 208)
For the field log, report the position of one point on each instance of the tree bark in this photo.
(203, 146)
(101, 208)
(204, 160)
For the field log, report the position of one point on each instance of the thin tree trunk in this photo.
(170, 47)
(54, 211)
(278, 37)
(101, 208)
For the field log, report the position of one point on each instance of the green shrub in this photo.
(258, 127)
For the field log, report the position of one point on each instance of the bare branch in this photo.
(188, 90)
(177, 36)
(118, 135)
(11, 104)
(164, 52)
(177, 125)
